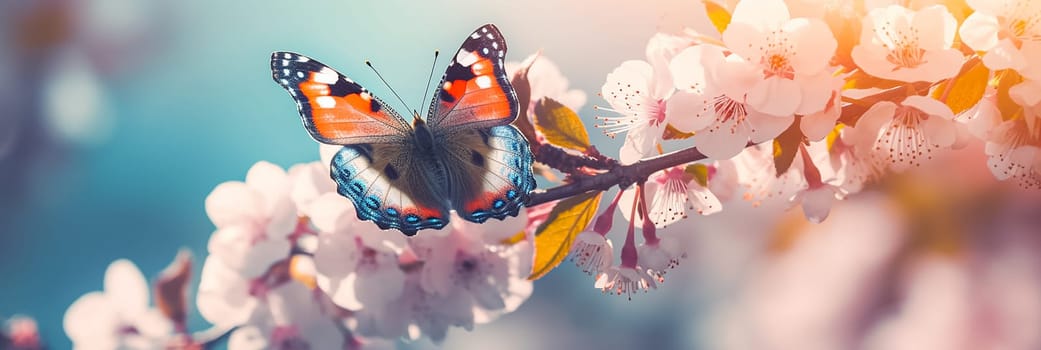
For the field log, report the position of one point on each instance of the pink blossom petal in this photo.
(941, 64)
(936, 27)
(814, 44)
(722, 143)
(980, 31)
(270, 180)
(871, 122)
(817, 91)
(765, 127)
(940, 132)
(331, 213)
(761, 14)
(233, 202)
(1004, 55)
(745, 40)
(692, 67)
(816, 203)
(688, 112)
(223, 297)
(241, 248)
(125, 283)
(929, 105)
(776, 96)
(91, 319)
(735, 77)
(1031, 52)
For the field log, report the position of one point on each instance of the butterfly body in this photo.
(464, 156)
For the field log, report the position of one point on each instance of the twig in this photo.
(621, 175)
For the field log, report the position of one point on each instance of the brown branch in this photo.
(621, 175)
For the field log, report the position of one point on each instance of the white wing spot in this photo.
(475, 35)
(303, 59)
(484, 29)
(299, 74)
(495, 45)
(477, 67)
(285, 71)
(485, 51)
(447, 86)
(287, 56)
(465, 58)
(502, 53)
(285, 82)
(326, 76)
(285, 62)
(325, 101)
(365, 96)
(490, 36)
(484, 81)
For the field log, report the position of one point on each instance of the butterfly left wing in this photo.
(388, 186)
(333, 108)
(475, 90)
(490, 172)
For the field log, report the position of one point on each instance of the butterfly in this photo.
(464, 156)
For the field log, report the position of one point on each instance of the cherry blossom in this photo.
(643, 93)
(723, 122)
(900, 44)
(778, 59)
(253, 218)
(119, 316)
(905, 134)
(1007, 31)
(1014, 152)
(592, 252)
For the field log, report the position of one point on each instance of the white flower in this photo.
(225, 298)
(757, 177)
(905, 134)
(291, 319)
(592, 252)
(778, 58)
(547, 81)
(663, 255)
(354, 274)
(460, 262)
(723, 123)
(899, 44)
(254, 219)
(118, 317)
(1014, 152)
(619, 280)
(643, 92)
(1009, 31)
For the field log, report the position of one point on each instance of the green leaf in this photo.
(719, 15)
(699, 172)
(554, 237)
(561, 125)
(967, 88)
(786, 146)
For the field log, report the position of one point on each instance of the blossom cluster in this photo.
(787, 113)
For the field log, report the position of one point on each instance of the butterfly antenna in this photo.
(367, 63)
(429, 79)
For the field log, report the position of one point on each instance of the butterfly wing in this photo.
(388, 186)
(490, 172)
(335, 109)
(475, 91)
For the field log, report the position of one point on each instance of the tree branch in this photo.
(621, 175)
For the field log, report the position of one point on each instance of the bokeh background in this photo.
(117, 118)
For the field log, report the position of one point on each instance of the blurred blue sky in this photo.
(189, 104)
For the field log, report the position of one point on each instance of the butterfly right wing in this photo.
(335, 109)
(389, 186)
